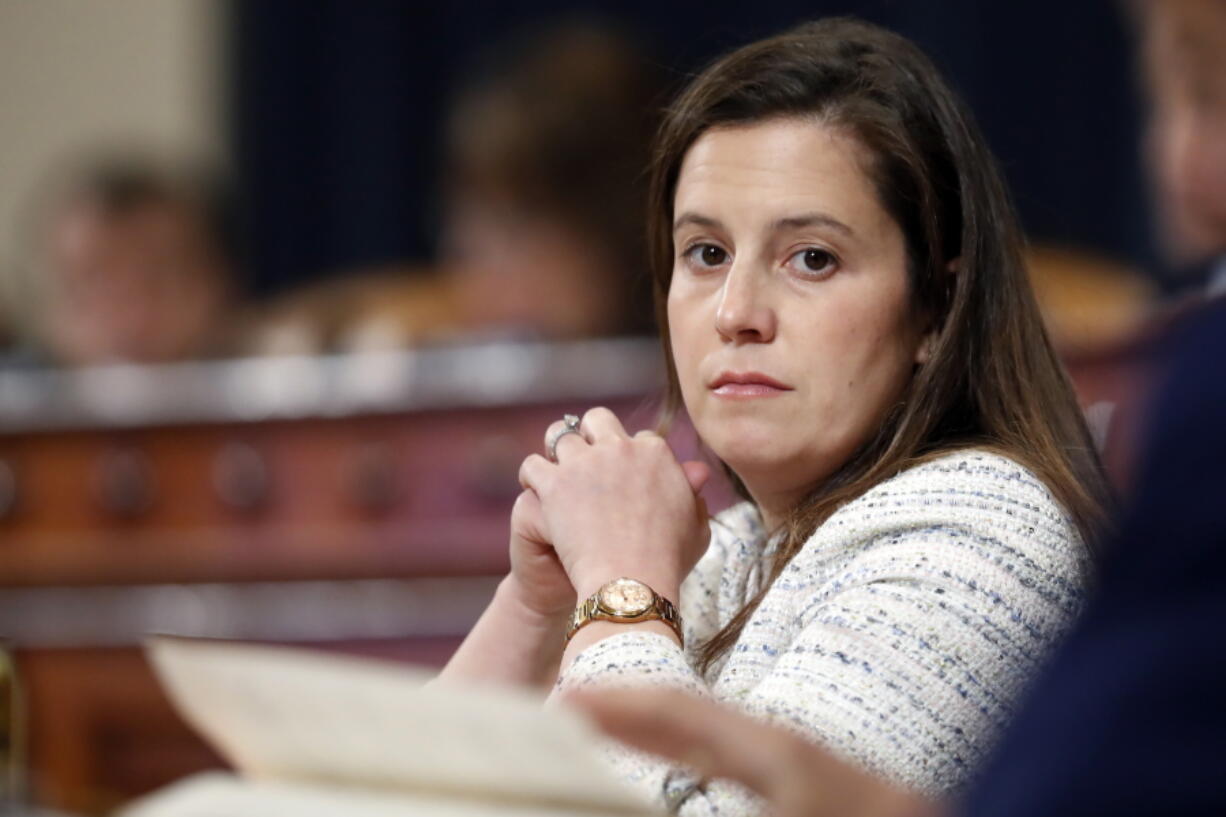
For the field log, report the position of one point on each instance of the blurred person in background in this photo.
(126, 261)
(544, 185)
(1129, 718)
(1185, 75)
(541, 207)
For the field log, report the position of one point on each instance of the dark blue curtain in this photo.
(336, 109)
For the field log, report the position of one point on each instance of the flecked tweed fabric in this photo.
(899, 637)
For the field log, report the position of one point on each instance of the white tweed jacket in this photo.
(899, 637)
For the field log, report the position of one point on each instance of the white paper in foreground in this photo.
(287, 715)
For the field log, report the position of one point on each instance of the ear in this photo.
(923, 350)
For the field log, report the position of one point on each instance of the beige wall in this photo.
(82, 73)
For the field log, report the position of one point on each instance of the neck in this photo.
(773, 506)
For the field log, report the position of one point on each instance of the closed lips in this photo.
(747, 384)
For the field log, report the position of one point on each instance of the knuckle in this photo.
(651, 447)
(527, 466)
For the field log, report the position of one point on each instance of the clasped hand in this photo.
(611, 505)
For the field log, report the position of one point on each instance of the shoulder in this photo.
(971, 470)
(975, 488)
(1187, 435)
(943, 587)
(974, 517)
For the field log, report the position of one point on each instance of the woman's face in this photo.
(789, 310)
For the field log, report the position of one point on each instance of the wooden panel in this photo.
(192, 488)
(103, 732)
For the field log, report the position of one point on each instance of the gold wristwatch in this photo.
(625, 601)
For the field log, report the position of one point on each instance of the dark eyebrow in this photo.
(811, 220)
(695, 218)
(788, 223)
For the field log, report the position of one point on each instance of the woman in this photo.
(848, 325)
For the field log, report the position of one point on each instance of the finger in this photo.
(697, 473)
(672, 724)
(650, 437)
(527, 518)
(601, 424)
(560, 438)
(795, 776)
(536, 474)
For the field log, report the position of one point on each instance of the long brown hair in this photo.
(993, 379)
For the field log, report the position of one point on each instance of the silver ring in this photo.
(571, 426)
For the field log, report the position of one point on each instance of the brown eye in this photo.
(813, 261)
(712, 255)
(817, 260)
(706, 255)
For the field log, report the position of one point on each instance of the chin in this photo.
(749, 452)
(762, 458)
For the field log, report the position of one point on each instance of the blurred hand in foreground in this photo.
(797, 778)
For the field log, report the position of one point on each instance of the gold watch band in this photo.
(591, 609)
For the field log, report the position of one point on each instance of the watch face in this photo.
(626, 597)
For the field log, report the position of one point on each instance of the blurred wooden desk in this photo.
(359, 502)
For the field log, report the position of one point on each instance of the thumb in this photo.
(697, 473)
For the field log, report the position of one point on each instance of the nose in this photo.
(745, 314)
(1174, 143)
(1189, 159)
